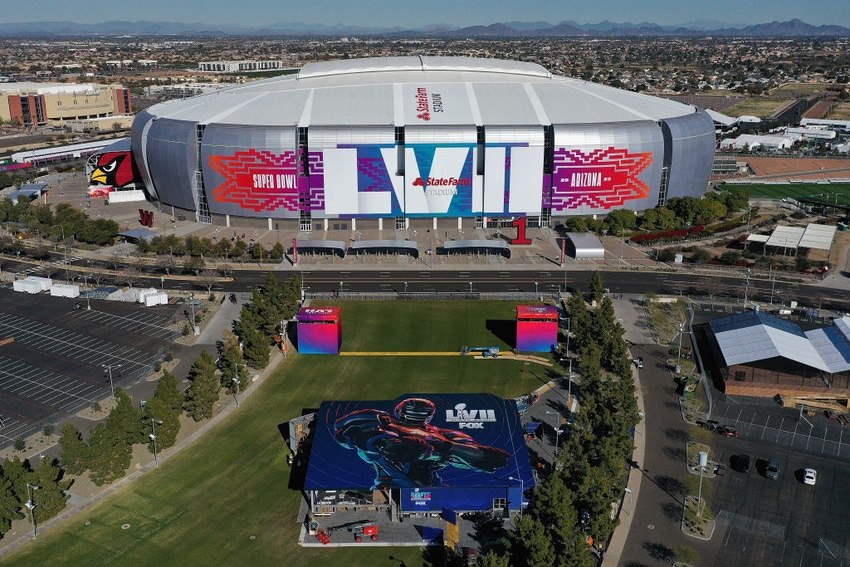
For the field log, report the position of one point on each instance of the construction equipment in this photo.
(363, 529)
(486, 352)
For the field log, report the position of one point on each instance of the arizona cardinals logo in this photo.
(115, 169)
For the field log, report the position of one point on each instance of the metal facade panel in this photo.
(251, 171)
(692, 154)
(321, 137)
(139, 141)
(600, 167)
(172, 158)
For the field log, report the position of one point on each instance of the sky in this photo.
(420, 13)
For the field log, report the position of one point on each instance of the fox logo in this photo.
(426, 116)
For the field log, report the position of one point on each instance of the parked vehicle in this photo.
(772, 470)
(810, 476)
(727, 431)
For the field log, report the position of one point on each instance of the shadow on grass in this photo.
(503, 329)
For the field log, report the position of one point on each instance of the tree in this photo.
(52, 495)
(10, 503)
(529, 544)
(596, 287)
(109, 456)
(204, 391)
(166, 406)
(207, 279)
(74, 454)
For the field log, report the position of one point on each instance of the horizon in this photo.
(466, 13)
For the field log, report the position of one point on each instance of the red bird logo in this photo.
(115, 169)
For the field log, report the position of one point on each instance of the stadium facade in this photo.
(452, 140)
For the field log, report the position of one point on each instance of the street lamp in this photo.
(153, 438)
(629, 492)
(535, 289)
(109, 368)
(470, 287)
(557, 428)
(30, 504)
(405, 288)
(703, 461)
(235, 381)
(88, 296)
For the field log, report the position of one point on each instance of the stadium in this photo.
(438, 141)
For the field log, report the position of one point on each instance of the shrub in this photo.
(20, 444)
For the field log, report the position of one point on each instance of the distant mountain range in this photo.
(792, 28)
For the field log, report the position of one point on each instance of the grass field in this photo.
(761, 107)
(840, 111)
(226, 500)
(796, 190)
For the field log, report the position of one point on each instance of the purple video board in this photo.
(319, 330)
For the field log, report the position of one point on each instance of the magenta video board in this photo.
(536, 328)
(319, 330)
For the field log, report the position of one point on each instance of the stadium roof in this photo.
(463, 91)
(752, 336)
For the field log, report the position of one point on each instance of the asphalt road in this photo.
(538, 281)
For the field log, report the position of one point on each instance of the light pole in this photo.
(470, 288)
(746, 288)
(235, 380)
(535, 289)
(31, 506)
(88, 297)
(153, 439)
(109, 368)
(405, 288)
(772, 282)
(703, 461)
(557, 428)
(629, 492)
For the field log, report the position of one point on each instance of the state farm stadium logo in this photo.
(425, 104)
(438, 186)
(601, 179)
(470, 418)
(258, 180)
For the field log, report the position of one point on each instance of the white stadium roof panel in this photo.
(818, 236)
(473, 91)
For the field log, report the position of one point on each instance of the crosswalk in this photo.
(33, 270)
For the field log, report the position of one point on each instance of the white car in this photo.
(810, 476)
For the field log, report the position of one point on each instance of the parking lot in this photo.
(57, 359)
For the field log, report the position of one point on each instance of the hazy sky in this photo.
(416, 13)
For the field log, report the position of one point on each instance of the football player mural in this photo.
(406, 450)
(112, 171)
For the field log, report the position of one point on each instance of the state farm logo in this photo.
(422, 104)
(439, 181)
(426, 104)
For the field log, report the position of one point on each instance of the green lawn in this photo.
(795, 191)
(226, 500)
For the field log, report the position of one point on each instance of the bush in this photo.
(187, 330)
(48, 430)
(169, 356)
(157, 366)
(20, 444)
